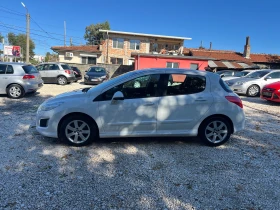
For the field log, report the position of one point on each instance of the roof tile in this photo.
(83, 48)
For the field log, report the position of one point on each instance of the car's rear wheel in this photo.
(77, 130)
(215, 131)
(253, 91)
(61, 80)
(15, 91)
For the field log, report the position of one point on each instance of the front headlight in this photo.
(49, 106)
(239, 83)
(279, 90)
(103, 77)
(86, 76)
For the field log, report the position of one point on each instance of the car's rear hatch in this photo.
(32, 74)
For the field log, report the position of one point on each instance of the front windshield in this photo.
(97, 70)
(257, 74)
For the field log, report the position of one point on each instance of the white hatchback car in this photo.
(168, 102)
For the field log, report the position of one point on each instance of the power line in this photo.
(31, 33)
(12, 10)
(41, 27)
(3, 10)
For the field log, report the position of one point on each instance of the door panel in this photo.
(136, 114)
(53, 72)
(3, 78)
(187, 100)
(129, 117)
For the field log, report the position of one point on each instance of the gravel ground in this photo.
(146, 173)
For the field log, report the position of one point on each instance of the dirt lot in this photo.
(146, 173)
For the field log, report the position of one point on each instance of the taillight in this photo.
(28, 76)
(67, 71)
(236, 100)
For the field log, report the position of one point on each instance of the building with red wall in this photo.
(144, 61)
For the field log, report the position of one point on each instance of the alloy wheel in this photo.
(77, 131)
(216, 131)
(15, 92)
(62, 80)
(253, 90)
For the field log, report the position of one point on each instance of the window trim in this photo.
(194, 64)
(117, 44)
(172, 64)
(87, 60)
(135, 41)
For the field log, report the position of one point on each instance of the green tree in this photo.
(1, 37)
(20, 40)
(47, 57)
(92, 34)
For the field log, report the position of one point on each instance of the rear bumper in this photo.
(78, 78)
(71, 79)
(31, 87)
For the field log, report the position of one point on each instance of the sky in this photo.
(225, 23)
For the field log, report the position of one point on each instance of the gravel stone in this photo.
(38, 172)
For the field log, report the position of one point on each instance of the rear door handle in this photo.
(200, 99)
(149, 104)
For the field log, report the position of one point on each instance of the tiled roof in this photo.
(227, 55)
(264, 58)
(82, 48)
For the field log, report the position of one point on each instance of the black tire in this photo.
(253, 91)
(15, 91)
(61, 80)
(74, 138)
(223, 131)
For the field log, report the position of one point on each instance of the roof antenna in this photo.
(201, 45)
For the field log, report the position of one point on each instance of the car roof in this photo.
(174, 71)
(15, 63)
(52, 63)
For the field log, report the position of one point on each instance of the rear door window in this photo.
(3, 68)
(30, 69)
(183, 84)
(40, 67)
(65, 67)
(10, 70)
(53, 67)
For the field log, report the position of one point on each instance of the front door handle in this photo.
(149, 104)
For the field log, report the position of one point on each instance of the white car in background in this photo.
(196, 103)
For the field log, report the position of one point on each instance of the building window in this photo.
(117, 61)
(134, 45)
(172, 65)
(176, 47)
(88, 60)
(118, 43)
(194, 66)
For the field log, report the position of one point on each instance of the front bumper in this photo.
(275, 96)
(51, 126)
(95, 82)
(239, 89)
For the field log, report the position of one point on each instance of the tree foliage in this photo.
(20, 40)
(92, 34)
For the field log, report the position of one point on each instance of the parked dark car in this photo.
(95, 75)
(77, 72)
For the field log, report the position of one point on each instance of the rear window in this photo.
(29, 69)
(65, 67)
(225, 86)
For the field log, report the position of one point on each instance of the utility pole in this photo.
(27, 33)
(64, 33)
(71, 41)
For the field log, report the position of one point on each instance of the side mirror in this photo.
(268, 77)
(118, 96)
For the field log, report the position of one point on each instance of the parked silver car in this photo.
(59, 73)
(16, 79)
(238, 75)
(252, 83)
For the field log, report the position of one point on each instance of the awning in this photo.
(229, 65)
(88, 55)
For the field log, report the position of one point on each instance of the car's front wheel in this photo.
(77, 130)
(61, 80)
(253, 91)
(215, 131)
(15, 91)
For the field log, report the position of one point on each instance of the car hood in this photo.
(80, 93)
(241, 79)
(96, 74)
(275, 85)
